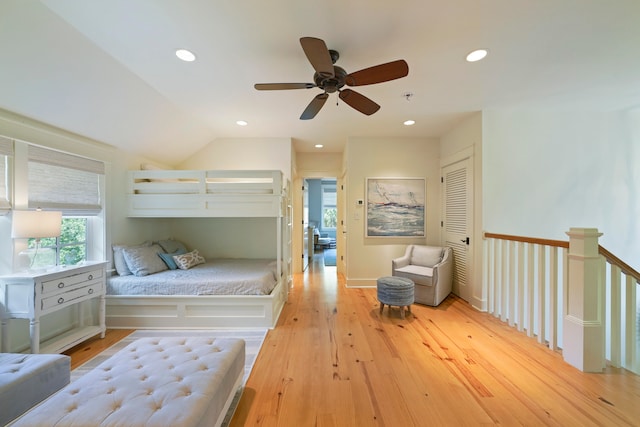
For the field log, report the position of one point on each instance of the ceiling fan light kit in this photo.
(332, 78)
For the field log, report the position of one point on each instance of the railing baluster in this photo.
(553, 297)
(496, 279)
(630, 329)
(616, 316)
(503, 281)
(531, 289)
(521, 286)
(565, 290)
(541, 295)
(511, 284)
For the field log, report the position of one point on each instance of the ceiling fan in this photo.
(331, 78)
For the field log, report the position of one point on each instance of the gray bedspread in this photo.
(216, 277)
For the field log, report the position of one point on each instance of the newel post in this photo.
(583, 335)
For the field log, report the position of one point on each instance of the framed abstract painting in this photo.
(395, 207)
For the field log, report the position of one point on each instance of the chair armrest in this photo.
(444, 269)
(403, 261)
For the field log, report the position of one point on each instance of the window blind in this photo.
(6, 152)
(64, 182)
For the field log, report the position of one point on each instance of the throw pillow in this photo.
(188, 260)
(168, 258)
(144, 261)
(118, 258)
(171, 246)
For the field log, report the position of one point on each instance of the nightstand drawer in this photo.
(70, 282)
(74, 295)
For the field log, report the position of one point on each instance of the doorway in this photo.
(322, 220)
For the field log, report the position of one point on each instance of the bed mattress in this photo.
(215, 277)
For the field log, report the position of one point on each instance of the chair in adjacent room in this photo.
(430, 268)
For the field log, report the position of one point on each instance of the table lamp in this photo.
(36, 225)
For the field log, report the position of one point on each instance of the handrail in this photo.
(611, 258)
(614, 260)
(534, 240)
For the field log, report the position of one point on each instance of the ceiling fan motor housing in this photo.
(331, 84)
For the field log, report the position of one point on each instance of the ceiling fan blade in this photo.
(282, 86)
(359, 101)
(378, 74)
(314, 106)
(318, 55)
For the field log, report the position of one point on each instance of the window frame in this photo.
(328, 188)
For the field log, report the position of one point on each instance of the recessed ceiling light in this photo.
(185, 55)
(476, 55)
(241, 123)
(409, 122)
(318, 145)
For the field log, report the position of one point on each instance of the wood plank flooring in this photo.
(333, 360)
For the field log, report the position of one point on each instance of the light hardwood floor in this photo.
(333, 360)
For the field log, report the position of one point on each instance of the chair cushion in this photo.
(426, 256)
(417, 270)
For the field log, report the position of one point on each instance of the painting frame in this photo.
(395, 207)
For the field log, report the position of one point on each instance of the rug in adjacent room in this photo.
(330, 257)
(253, 342)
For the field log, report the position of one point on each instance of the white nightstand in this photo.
(30, 295)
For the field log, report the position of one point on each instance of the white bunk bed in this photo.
(212, 194)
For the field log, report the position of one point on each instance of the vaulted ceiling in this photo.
(107, 69)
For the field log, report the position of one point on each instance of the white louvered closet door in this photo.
(457, 222)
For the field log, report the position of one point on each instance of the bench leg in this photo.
(401, 312)
(381, 307)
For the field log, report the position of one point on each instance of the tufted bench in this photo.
(28, 379)
(188, 381)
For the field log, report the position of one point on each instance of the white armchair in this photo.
(430, 268)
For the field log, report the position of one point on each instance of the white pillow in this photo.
(118, 257)
(188, 260)
(145, 260)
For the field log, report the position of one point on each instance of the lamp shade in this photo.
(35, 224)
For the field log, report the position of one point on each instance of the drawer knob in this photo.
(90, 291)
(91, 277)
(60, 300)
(60, 285)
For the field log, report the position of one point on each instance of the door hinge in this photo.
(441, 223)
(442, 179)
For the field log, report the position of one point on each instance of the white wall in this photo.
(246, 153)
(370, 258)
(545, 172)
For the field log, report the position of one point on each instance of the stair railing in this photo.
(526, 281)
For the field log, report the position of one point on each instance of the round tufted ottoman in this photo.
(393, 290)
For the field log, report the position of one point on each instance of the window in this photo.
(64, 182)
(68, 249)
(6, 151)
(329, 207)
(73, 185)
